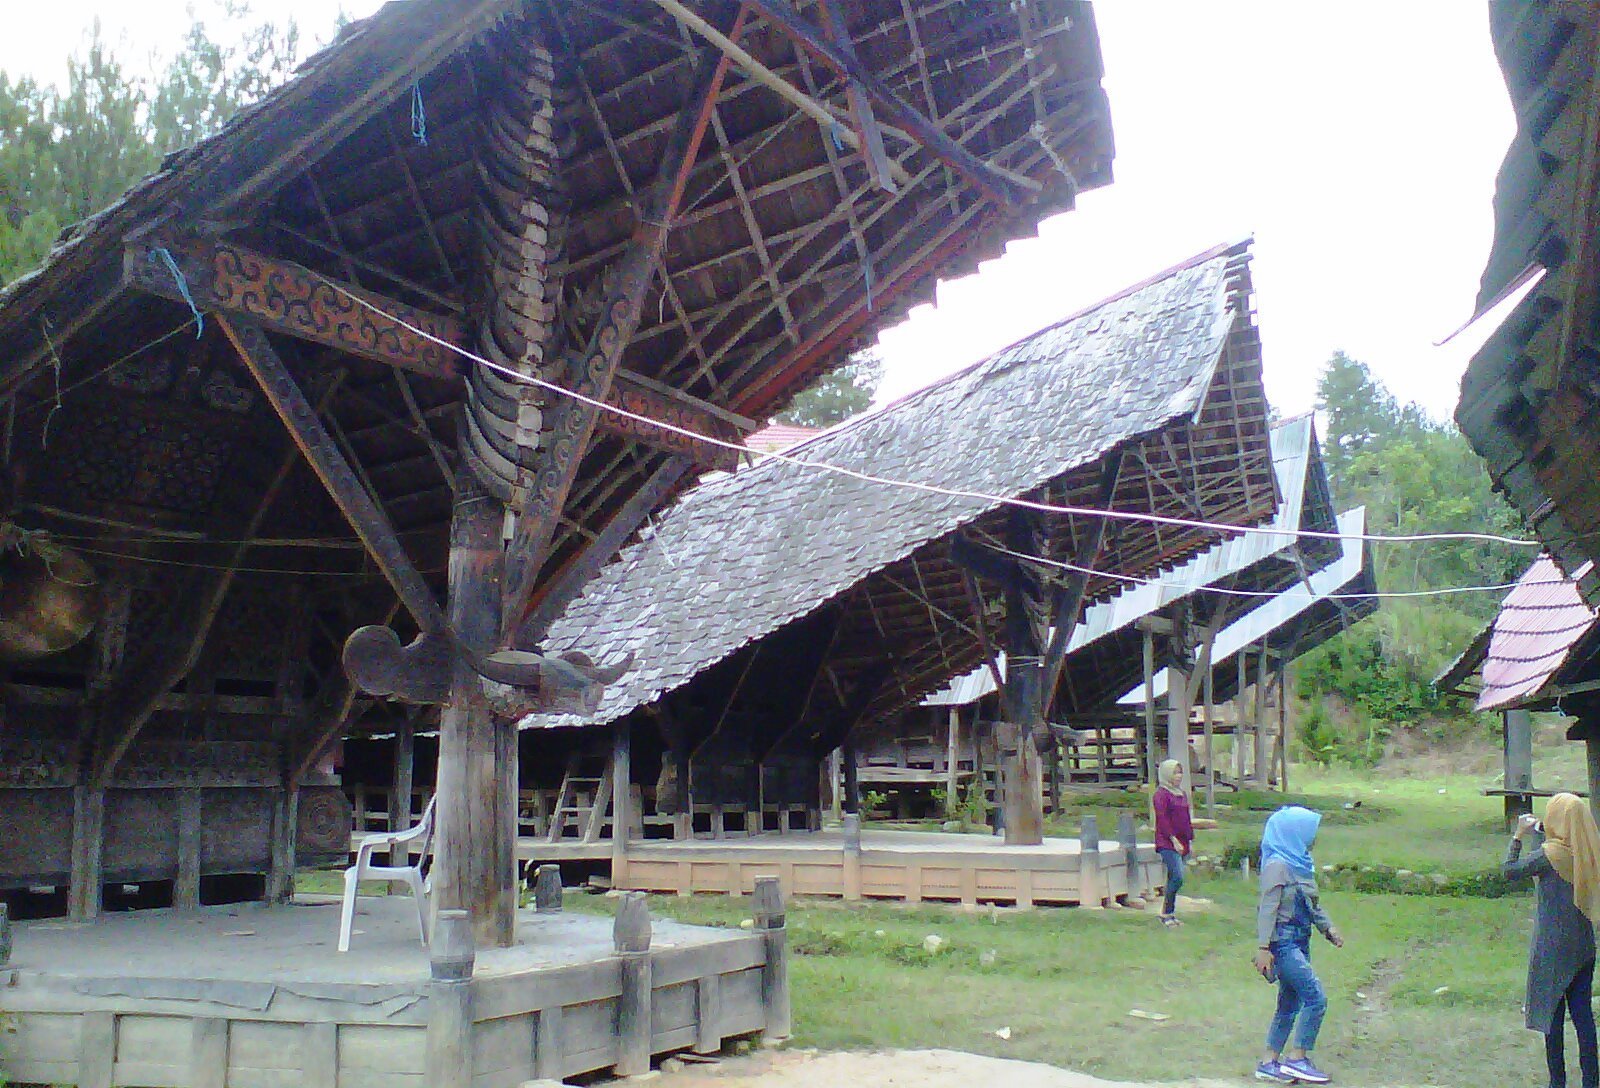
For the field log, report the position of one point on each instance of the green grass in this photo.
(1440, 978)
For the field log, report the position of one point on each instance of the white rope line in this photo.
(1227, 591)
(955, 493)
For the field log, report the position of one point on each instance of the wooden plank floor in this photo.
(247, 996)
(907, 865)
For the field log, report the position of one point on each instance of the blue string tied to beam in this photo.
(838, 136)
(419, 116)
(164, 255)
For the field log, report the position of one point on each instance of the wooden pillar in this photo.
(285, 829)
(621, 798)
(547, 891)
(1591, 750)
(1283, 726)
(1210, 735)
(449, 1040)
(87, 878)
(1128, 837)
(1241, 681)
(186, 889)
(1261, 773)
(401, 785)
(1091, 884)
(630, 934)
(952, 761)
(1151, 758)
(770, 923)
(475, 866)
(852, 784)
(1518, 765)
(1178, 717)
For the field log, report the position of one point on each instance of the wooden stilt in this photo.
(1263, 760)
(475, 857)
(1210, 751)
(87, 878)
(952, 762)
(1518, 765)
(1150, 756)
(186, 890)
(621, 798)
(1283, 726)
(400, 787)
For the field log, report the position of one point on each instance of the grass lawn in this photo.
(1427, 990)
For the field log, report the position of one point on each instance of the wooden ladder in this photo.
(585, 800)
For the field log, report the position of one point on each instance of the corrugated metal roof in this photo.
(776, 437)
(1540, 622)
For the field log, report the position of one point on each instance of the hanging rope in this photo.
(164, 255)
(419, 116)
(55, 365)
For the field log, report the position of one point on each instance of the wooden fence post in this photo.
(770, 923)
(449, 1039)
(1091, 884)
(852, 856)
(547, 891)
(1128, 836)
(630, 934)
(5, 934)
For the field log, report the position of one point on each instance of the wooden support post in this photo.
(952, 761)
(1022, 699)
(852, 856)
(835, 766)
(1128, 837)
(1591, 750)
(1178, 718)
(770, 923)
(630, 935)
(401, 783)
(1151, 759)
(449, 1035)
(475, 866)
(1240, 733)
(852, 783)
(1283, 726)
(5, 934)
(285, 831)
(97, 1049)
(547, 890)
(708, 1015)
(549, 1060)
(1210, 712)
(87, 878)
(186, 889)
(621, 798)
(208, 1052)
(1091, 883)
(1262, 772)
(1518, 765)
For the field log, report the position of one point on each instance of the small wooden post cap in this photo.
(769, 909)
(452, 954)
(631, 931)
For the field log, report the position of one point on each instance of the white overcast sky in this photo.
(1356, 139)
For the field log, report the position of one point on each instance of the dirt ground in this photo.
(890, 1069)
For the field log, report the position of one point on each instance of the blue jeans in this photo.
(1174, 863)
(1300, 995)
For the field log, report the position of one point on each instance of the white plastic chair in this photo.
(364, 869)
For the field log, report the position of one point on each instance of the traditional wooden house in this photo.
(1531, 396)
(1249, 661)
(1541, 653)
(775, 613)
(1165, 624)
(409, 349)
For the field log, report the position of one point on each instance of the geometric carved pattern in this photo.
(143, 460)
(324, 826)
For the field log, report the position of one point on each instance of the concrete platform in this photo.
(907, 865)
(252, 996)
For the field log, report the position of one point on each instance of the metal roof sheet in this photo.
(1540, 622)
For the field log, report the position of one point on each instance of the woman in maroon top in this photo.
(1174, 832)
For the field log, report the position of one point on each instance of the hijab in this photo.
(1288, 835)
(1166, 775)
(1572, 844)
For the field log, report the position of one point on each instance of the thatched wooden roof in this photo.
(783, 255)
(1532, 393)
(808, 591)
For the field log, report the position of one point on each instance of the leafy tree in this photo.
(846, 392)
(209, 81)
(1414, 475)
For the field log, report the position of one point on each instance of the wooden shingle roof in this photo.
(1168, 371)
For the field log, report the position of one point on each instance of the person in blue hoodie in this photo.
(1288, 911)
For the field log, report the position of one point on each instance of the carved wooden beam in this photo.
(560, 590)
(288, 298)
(592, 373)
(359, 507)
(999, 184)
